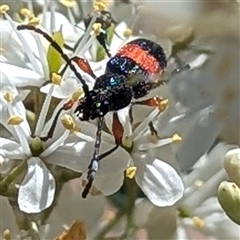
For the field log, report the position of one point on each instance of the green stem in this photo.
(128, 210)
(4, 184)
(132, 191)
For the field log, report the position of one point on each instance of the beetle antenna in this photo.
(56, 46)
(93, 166)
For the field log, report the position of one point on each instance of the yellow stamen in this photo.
(99, 6)
(56, 79)
(25, 12)
(15, 120)
(68, 3)
(163, 105)
(198, 183)
(127, 142)
(97, 27)
(106, 2)
(131, 172)
(2, 50)
(198, 222)
(127, 33)
(4, 8)
(69, 123)
(176, 138)
(33, 21)
(8, 96)
(77, 95)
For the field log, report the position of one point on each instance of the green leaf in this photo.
(54, 58)
(100, 50)
(100, 53)
(110, 34)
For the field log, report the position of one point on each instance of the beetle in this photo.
(130, 74)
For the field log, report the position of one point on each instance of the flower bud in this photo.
(232, 165)
(229, 199)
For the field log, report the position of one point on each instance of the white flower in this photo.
(198, 214)
(157, 179)
(204, 214)
(24, 60)
(74, 154)
(70, 206)
(207, 100)
(209, 222)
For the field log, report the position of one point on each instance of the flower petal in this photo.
(21, 77)
(77, 156)
(14, 51)
(10, 149)
(37, 190)
(110, 183)
(198, 141)
(160, 182)
(65, 90)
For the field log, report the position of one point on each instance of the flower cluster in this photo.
(168, 145)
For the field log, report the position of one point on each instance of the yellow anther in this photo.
(2, 50)
(163, 105)
(127, 33)
(4, 8)
(69, 123)
(97, 27)
(14, 120)
(77, 94)
(8, 96)
(127, 142)
(68, 3)
(106, 2)
(198, 222)
(131, 172)
(33, 21)
(176, 138)
(25, 12)
(56, 79)
(99, 6)
(198, 183)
